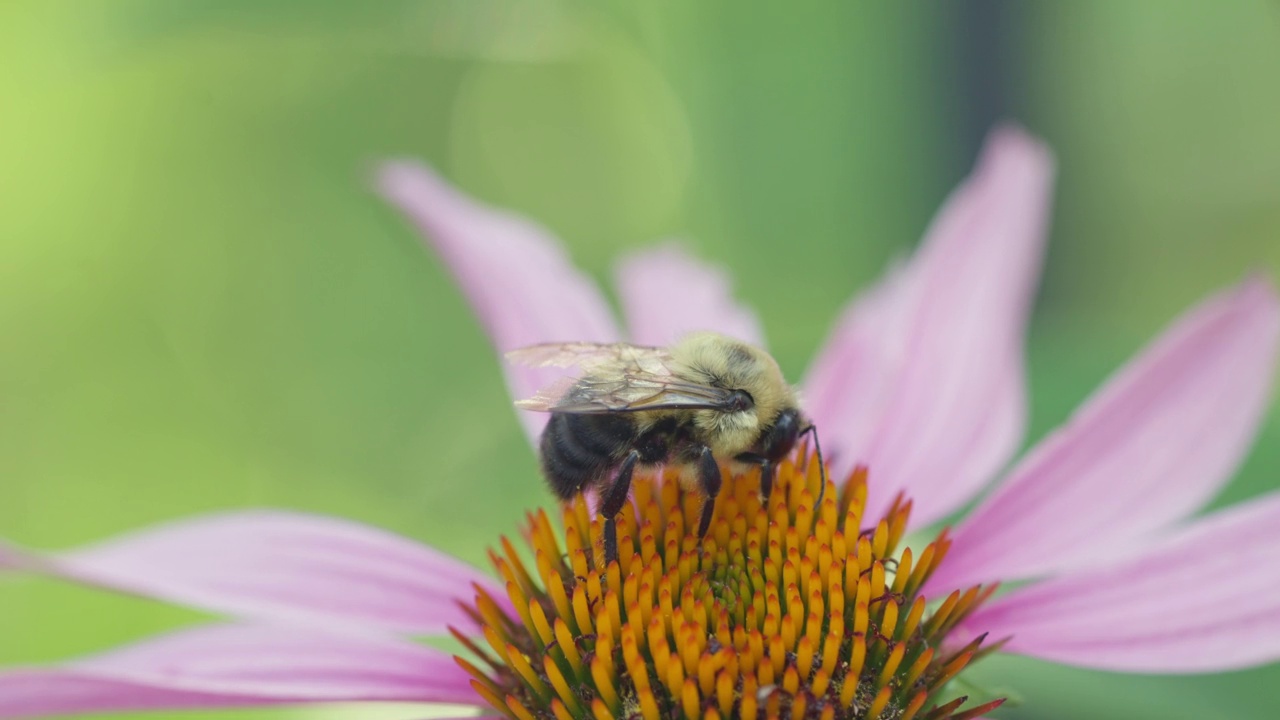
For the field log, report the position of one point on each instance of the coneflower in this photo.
(811, 606)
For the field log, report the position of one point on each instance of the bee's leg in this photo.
(709, 479)
(611, 502)
(767, 471)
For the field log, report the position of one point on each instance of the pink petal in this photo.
(237, 665)
(922, 380)
(1155, 443)
(285, 566)
(667, 294)
(849, 385)
(516, 276)
(1203, 599)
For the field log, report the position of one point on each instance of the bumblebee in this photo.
(706, 400)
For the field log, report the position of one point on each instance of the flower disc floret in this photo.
(780, 611)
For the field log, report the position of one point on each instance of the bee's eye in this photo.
(740, 400)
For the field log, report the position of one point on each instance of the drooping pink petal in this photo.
(1153, 445)
(667, 294)
(849, 383)
(237, 665)
(12, 558)
(43, 693)
(923, 380)
(283, 566)
(517, 277)
(1203, 599)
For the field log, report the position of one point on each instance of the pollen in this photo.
(794, 608)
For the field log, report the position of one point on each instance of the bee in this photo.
(707, 399)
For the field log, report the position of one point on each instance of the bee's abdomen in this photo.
(578, 450)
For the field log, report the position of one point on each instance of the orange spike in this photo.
(891, 665)
(913, 707)
(690, 701)
(773, 607)
(605, 683)
(648, 547)
(804, 513)
(877, 580)
(857, 656)
(788, 629)
(821, 681)
(689, 650)
(540, 624)
(520, 664)
(612, 611)
(848, 690)
(866, 555)
(951, 669)
(674, 678)
(564, 641)
(520, 711)
(521, 573)
(917, 668)
(804, 656)
(631, 657)
(659, 650)
(582, 611)
(765, 674)
(831, 651)
(604, 652)
(493, 617)
(889, 621)
(839, 546)
(908, 627)
(755, 651)
(494, 699)
(648, 705)
(750, 705)
(724, 692)
(519, 601)
(772, 704)
(707, 674)
(922, 570)
(555, 589)
(599, 711)
(880, 540)
(470, 644)
(813, 627)
(939, 616)
(825, 559)
(577, 556)
(979, 711)
(476, 674)
(879, 704)
(791, 680)
(903, 572)
(497, 643)
(561, 686)
(630, 590)
(798, 707)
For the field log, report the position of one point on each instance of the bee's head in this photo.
(760, 393)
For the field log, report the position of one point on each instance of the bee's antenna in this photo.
(822, 465)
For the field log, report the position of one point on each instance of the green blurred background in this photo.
(203, 306)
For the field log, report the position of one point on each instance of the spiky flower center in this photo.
(781, 611)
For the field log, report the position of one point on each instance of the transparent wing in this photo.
(618, 377)
(589, 356)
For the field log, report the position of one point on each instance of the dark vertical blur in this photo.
(985, 67)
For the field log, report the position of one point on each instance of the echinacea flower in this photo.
(797, 609)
